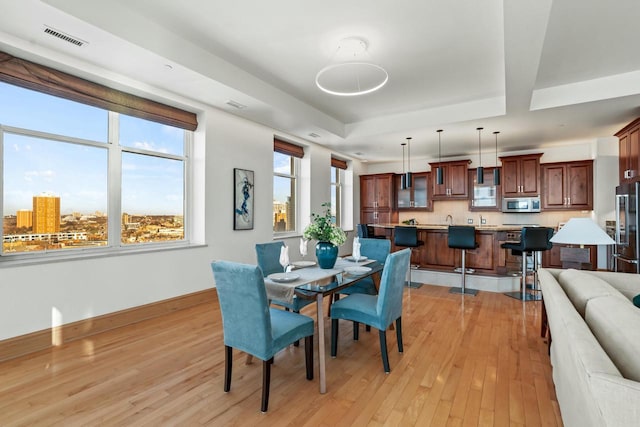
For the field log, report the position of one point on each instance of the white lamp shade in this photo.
(582, 231)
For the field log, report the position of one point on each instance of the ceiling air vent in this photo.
(235, 104)
(62, 36)
(314, 135)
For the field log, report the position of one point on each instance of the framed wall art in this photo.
(243, 184)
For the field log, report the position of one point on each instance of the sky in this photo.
(78, 173)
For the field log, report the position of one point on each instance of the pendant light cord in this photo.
(479, 147)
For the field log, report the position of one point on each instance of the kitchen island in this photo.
(487, 259)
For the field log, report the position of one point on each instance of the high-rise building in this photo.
(46, 213)
(24, 218)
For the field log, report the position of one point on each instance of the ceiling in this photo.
(541, 72)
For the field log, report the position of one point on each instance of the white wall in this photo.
(36, 297)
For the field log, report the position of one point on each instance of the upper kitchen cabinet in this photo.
(487, 196)
(376, 199)
(521, 175)
(455, 185)
(416, 197)
(567, 186)
(629, 149)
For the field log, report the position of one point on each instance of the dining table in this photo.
(308, 281)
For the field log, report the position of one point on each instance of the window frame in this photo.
(337, 176)
(114, 245)
(294, 177)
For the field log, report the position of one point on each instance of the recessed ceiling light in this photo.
(168, 66)
(235, 104)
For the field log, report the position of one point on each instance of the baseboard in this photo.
(46, 338)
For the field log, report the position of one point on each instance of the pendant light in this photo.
(496, 171)
(439, 171)
(408, 180)
(480, 170)
(403, 177)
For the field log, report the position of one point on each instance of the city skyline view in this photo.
(77, 172)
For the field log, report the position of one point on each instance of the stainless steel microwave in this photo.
(521, 204)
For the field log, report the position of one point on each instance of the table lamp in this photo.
(579, 231)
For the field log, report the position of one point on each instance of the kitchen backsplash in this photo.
(459, 210)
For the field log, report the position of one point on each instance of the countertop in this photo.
(501, 227)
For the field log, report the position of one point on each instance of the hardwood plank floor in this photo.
(466, 361)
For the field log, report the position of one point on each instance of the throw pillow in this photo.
(636, 300)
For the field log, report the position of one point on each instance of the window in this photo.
(80, 177)
(336, 201)
(337, 179)
(286, 164)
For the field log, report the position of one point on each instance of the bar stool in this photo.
(532, 241)
(365, 233)
(463, 237)
(407, 237)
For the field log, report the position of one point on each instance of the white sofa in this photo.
(595, 345)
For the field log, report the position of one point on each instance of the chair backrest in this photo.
(268, 255)
(246, 321)
(536, 238)
(389, 306)
(363, 231)
(405, 236)
(377, 249)
(462, 237)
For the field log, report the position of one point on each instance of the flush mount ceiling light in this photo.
(351, 76)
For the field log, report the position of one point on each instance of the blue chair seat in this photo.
(363, 286)
(286, 327)
(359, 308)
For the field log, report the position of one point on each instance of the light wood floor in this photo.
(477, 361)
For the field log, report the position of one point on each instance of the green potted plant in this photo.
(329, 237)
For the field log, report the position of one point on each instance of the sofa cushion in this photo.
(581, 287)
(616, 325)
(627, 283)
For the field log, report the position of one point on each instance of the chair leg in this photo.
(334, 337)
(356, 331)
(228, 364)
(266, 380)
(297, 342)
(308, 355)
(383, 351)
(399, 334)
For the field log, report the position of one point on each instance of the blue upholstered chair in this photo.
(268, 255)
(251, 326)
(378, 311)
(376, 249)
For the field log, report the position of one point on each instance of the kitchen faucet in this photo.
(449, 217)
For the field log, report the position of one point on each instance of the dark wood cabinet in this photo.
(436, 252)
(521, 175)
(416, 197)
(484, 197)
(482, 257)
(553, 258)
(567, 185)
(376, 199)
(629, 151)
(455, 185)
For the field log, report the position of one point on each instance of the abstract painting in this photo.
(243, 199)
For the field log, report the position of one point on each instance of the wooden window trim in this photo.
(38, 77)
(288, 148)
(338, 163)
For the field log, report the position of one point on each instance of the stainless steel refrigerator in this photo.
(626, 254)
